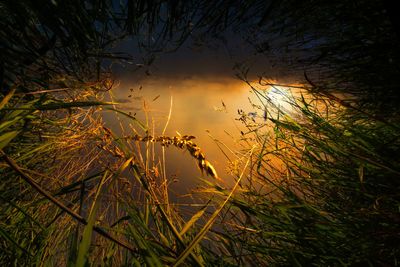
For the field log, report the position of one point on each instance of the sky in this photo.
(197, 57)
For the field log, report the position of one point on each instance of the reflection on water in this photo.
(203, 107)
(200, 107)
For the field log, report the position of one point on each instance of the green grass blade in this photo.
(6, 138)
(84, 246)
(8, 123)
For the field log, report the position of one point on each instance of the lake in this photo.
(205, 107)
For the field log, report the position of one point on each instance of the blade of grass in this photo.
(194, 219)
(210, 222)
(62, 105)
(84, 246)
(6, 138)
(7, 98)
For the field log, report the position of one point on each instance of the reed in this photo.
(330, 195)
(318, 185)
(182, 142)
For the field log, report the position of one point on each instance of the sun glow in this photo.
(282, 97)
(279, 95)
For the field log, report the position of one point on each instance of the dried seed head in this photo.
(182, 142)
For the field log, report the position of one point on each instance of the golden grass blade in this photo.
(7, 98)
(193, 220)
(164, 163)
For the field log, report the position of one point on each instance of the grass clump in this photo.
(322, 189)
(319, 182)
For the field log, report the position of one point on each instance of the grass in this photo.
(71, 187)
(329, 201)
(312, 190)
(317, 185)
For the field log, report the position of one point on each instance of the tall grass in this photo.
(316, 185)
(51, 141)
(319, 188)
(332, 199)
(73, 192)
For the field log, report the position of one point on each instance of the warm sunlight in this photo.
(199, 133)
(205, 107)
(281, 97)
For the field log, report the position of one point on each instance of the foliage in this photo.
(323, 188)
(318, 184)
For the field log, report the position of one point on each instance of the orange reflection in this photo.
(205, 108)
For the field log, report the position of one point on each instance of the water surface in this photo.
(205, 107)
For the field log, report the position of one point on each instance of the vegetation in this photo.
(316, 183)
(322, 188)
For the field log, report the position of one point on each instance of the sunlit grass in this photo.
(316, 171)
(322, 204)
(313, 187)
